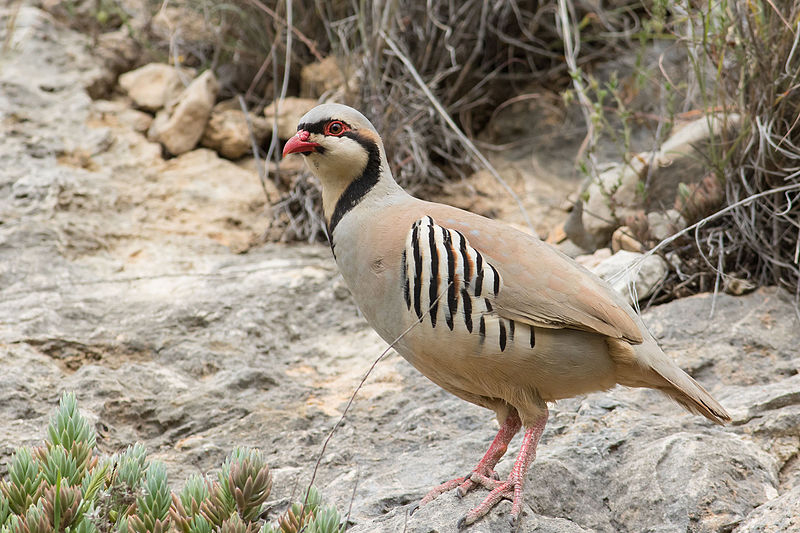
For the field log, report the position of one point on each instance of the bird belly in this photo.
(531, 365)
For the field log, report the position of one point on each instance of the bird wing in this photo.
(529, 281)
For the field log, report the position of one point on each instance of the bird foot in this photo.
(464, 484)
(511, 489)
(441, 489)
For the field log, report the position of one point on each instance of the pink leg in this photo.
(485, 467)
(511, 488)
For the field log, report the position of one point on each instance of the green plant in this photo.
(308, 516)
(64, 487)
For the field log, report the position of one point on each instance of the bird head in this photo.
(337, 142)
(341, 148)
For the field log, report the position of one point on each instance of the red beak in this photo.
(299, 144)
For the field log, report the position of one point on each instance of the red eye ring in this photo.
(335, 128)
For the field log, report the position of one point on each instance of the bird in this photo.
(489, 313)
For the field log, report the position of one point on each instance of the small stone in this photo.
(180, 128)
(556, 235)
(152, 86)
(290, 111)
(737, 286)
(618, 187)
(664, 224)
(227, 132)
(645, 277)
(340, 290)
(138, 120)
(321, 77)
(118, 51)
(622, 239)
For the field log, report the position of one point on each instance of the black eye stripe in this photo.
(319, 126)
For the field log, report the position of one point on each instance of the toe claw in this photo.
(462, 523)
(413, 509)
(513, 521)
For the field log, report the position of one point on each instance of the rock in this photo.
(664, 224)
(592, 260)
(737, 286)
(290, 111)
(116, 282)
(556, 235)
(181, 20)
(619, 187)
(645, 276)
(622, 239)
(683, 140)
(776, 516)
(650, 181)
(321, 77)
(154, 85)
(180, 127)
(118, 52)
(227, 132)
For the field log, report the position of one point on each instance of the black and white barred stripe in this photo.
(444, 275)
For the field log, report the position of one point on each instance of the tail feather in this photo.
(645, 365)
(691, 395)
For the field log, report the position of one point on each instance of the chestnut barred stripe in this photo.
(452, 281)
(417, 254)
(433, 281)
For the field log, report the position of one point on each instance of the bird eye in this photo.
(335, 127)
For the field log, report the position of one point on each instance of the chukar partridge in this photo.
(500, 319)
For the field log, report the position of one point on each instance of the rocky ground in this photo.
(121, 279)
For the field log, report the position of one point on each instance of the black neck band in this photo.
(360, 186)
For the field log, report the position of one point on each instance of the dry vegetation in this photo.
(478, 56)
(746, 60)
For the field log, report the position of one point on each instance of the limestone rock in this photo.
(618, 186)
(290, 111)
(182, 20)
(775, 516)
(121, 281)
(118, 52)
(321, 77)
(664, 224)
(154, 85)
(227, 131)
(623, 239)
(650, 181)
(637, 283)
(180, 127)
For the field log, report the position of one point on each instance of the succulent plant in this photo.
(24, 485)
(219, 505)
(69, 429)
(308, 516)
(63, 487)
(185, 509)
(152, 508)
(248, 479)
(34, 521)
(61, 504)
(5, 510)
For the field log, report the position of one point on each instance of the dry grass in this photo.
(748, 62)
(472, 56)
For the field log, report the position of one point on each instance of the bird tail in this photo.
(645, 365)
